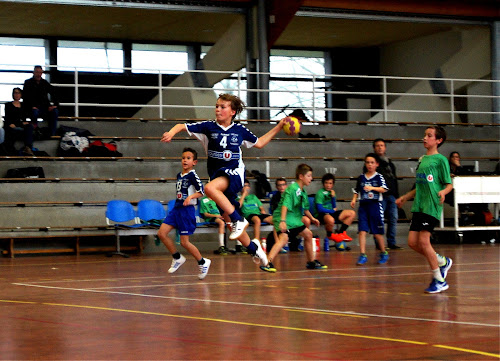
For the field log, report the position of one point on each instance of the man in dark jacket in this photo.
(388, 170)
(36, 93)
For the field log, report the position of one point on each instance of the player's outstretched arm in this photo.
(168, 136)
(266, 138)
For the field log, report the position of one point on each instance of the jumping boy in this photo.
(287, 219)
(326, 205)
(222, 140)
(370, 187)
(183, 216)
(433, 183)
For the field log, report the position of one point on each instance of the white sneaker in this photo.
(204, 269)
(176, 263)
(260, 255)
(237, 229)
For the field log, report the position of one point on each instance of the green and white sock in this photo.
(441, 260)
(437, 275)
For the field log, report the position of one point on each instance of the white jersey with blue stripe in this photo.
(222, 144)
(187, 184)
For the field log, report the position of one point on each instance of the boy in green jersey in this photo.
(210, 212)
(433, 183)
(287, 219)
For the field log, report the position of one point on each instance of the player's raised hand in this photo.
(167, 137)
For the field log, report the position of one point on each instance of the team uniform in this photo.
(295, 200)
(223, 148)
(433, 173)
(208, 206)
(184, 218)
(251, 207)
(370, 212)
(326, 204)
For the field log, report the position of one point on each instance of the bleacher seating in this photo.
(74, 193)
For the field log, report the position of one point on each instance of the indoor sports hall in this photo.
(83, 274)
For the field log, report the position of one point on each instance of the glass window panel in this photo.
(90, 56)
(151, 58)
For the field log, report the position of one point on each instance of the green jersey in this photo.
(208, 206)
(251, 205)
(324, 202)
(433, 173)
(295, 200)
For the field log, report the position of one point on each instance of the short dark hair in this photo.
(373, 155)
(280, 179)
(195, 153)
(326, 177)
(439, 132)
(20, 91)
(377, 140)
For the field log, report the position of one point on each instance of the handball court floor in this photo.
(97, 308)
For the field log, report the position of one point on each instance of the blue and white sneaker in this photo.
(204, 269)
(384, 257)
(436, 286)
(176, 263)
(444, 269)
(362, 260)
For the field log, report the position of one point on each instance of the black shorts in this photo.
(335, 215)
(423, 222)
(294, 232)
(261, 216)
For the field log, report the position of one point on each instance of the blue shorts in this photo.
(183, 219)
(371, 217)
(236, 178)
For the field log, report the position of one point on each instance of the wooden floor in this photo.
(93, 307)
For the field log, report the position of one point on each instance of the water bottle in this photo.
(263, 244)
(326, 245)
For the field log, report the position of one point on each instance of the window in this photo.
(150, 58)
(90, 56)
(19, 56)
(301, 90)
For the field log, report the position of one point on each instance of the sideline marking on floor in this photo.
(327, 313)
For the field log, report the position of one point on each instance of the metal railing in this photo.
(321, 97)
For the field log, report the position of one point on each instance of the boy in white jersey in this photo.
(433, 183)
(222, 140)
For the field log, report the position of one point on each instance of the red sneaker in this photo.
(337, 237)
(346, 238)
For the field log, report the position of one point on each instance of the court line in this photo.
(259, 305)
(267, 280)
(288, 328)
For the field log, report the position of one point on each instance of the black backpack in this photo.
(262, 185)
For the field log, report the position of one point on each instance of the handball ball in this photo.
(292, 126)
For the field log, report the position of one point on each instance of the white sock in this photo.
(238, 243)
(441, 260)
(221, 239)
(437, 275)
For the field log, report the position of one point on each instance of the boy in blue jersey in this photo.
(222, 140)
(183, 216)
(370, 188)
(432, 185)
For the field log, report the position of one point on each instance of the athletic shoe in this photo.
(260, 255)
(176, 263)
(394, 247)
(362, 260)
(337, 237)
(436, 286)
(223, 251)
(315, 265)
(444, 269)
(269, 268)
(384, 257)
(237, 228)
(346, 237)
(283, 250)
(204, 269)
(240, 249)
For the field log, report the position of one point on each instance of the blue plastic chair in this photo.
(120, 214)
(151, 212)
